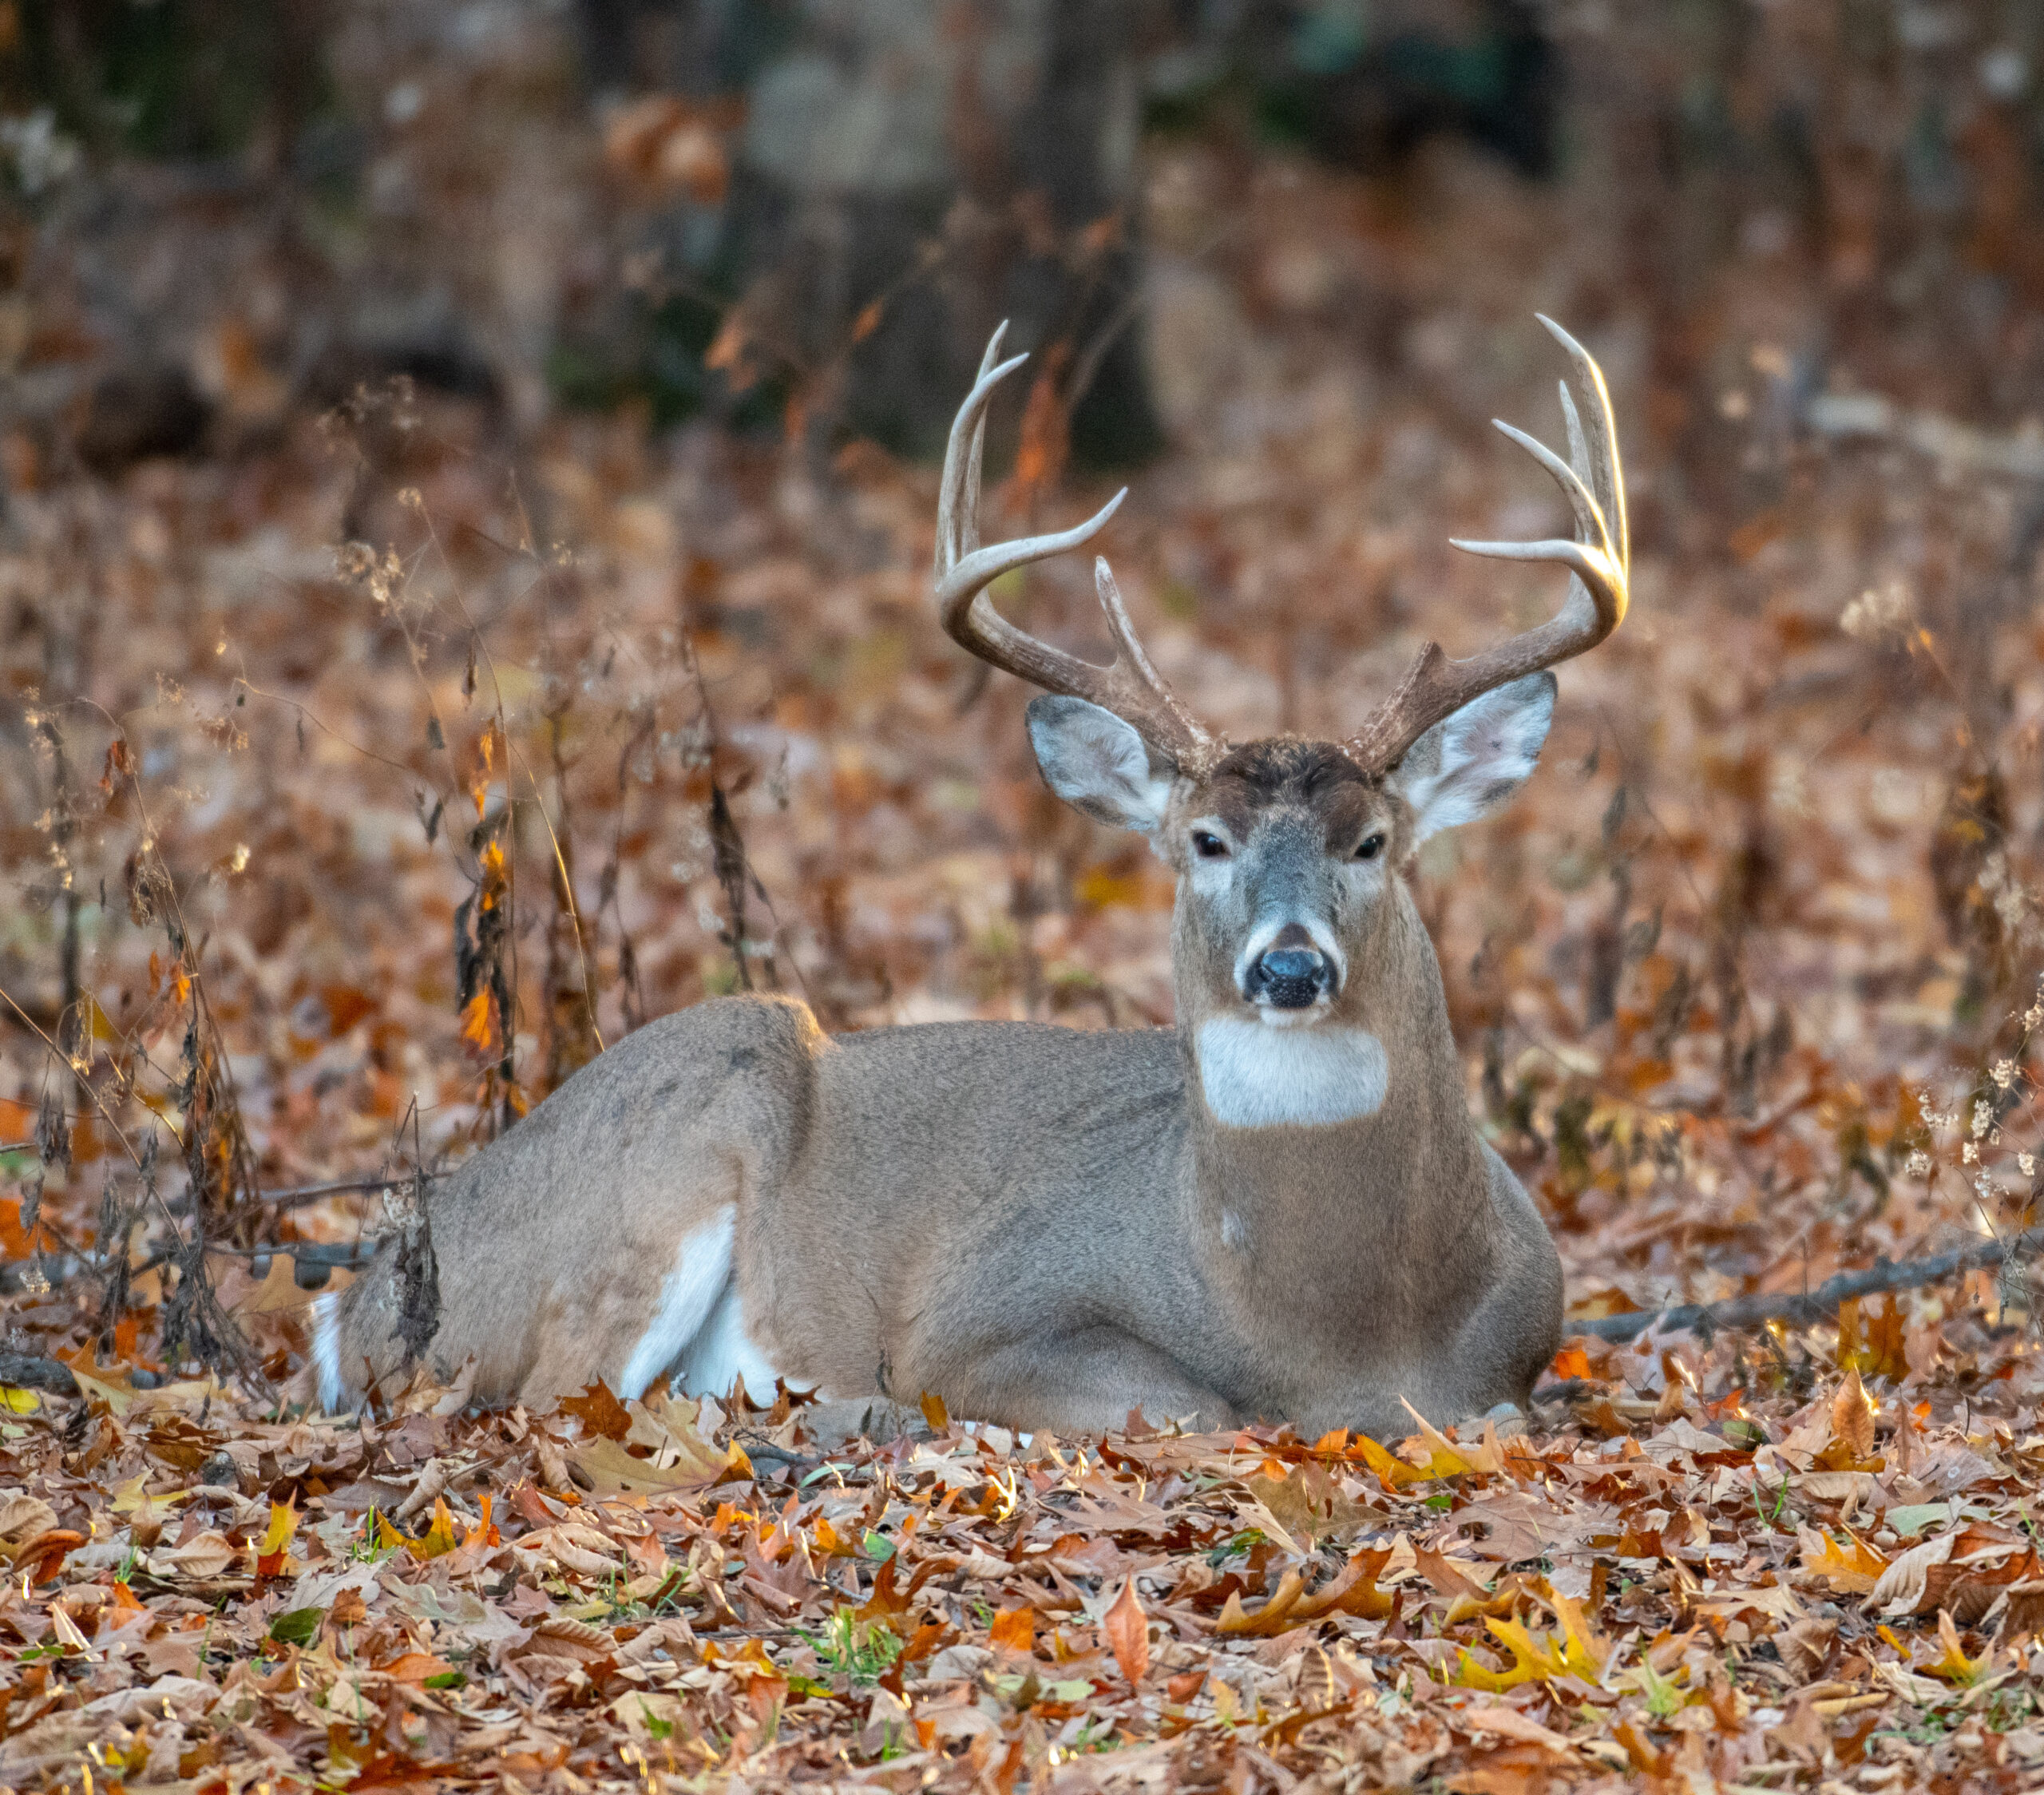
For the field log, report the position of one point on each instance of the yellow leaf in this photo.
(1955, 1666)
(614, 1471)
(1470, 1675)
(1392, 1472)
(1586, 1649)
(438, 1539)
(479, 1021)
(1446, 1458)
(283, 1524)
(18, 1401)
(1535, 1658)
(1854, 1569)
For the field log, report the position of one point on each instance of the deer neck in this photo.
(1345, 1123)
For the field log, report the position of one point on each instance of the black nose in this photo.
(1289, 978)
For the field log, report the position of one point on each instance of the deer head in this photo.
(1289, 852)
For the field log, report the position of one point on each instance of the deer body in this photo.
(1279, 1208)
(1129, 1251)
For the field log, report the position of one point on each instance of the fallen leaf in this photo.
(1127, 1629)
(1013, 1630)
(1509, 1723)
(1955, 1666)
(1855, 1568)
(1905, 1587)
(1853, 1417)
(600, 1411)
(204, 1556)
(23, 1516)
(271, 1554)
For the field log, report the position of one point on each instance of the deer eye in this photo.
(1209, 846)
(1372, 846)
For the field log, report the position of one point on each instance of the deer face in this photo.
(1287, 851)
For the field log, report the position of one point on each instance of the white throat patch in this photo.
(1260, 1077)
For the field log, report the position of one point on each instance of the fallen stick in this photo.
(1809, 1307)
(30, 1371)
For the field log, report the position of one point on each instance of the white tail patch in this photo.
(723, 1352)
(1259, 1077)
(326, 1350)
(689, 1296)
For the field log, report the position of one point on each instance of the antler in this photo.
(1131, 688)
(1599, 561)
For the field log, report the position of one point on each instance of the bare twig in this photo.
(1819, 1304)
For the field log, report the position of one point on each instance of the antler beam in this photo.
(1598, 561)
(1131, 688)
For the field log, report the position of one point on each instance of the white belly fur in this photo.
(1256, 1076)
(724, 1352)
(326, 1350)
(698, 1332)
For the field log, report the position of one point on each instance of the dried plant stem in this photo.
(1810, 1307)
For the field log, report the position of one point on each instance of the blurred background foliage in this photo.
(853, 193)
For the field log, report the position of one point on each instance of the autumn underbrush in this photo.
(365, 783)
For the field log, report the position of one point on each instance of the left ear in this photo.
(1471, 763)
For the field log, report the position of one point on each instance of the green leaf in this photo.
(877, 1545)
(298, 1626)
(447, 1679)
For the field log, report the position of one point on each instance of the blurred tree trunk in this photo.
(908, 174)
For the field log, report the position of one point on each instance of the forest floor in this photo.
(372, 775)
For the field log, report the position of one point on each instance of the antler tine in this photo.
(958, 499)
(1131, 688)
(1598, 561)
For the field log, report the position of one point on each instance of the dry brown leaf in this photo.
(1127, 1629)
(1904, 1588)
(1509, 1723)
(1853, 1417)
(204, 1556)
(23, 1516)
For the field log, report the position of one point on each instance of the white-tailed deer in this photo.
(1280, 1207)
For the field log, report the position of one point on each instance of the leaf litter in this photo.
(1739, 977)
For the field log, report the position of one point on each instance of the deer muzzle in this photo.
(1290, 974)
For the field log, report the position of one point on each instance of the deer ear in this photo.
(1470, 762)
(1097, 764)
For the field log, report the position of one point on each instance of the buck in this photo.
(1280, 1207)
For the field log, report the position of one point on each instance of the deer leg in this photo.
(1085, 1382)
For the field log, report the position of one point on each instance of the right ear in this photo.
(1097, 764)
